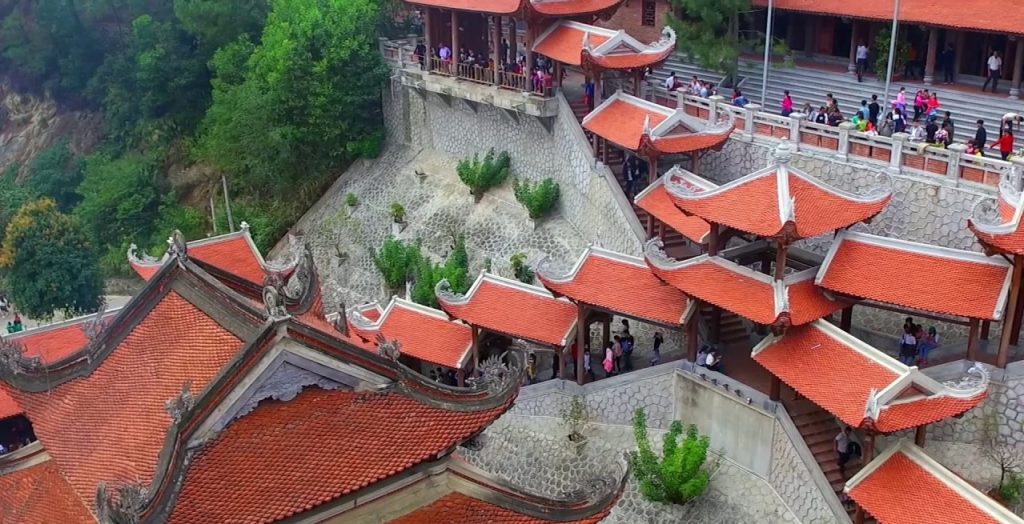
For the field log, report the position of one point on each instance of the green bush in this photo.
(881, 50)
(397, 262)
(1011, 489)
(480, 176)
(455, 269)
(397, 212)
(538, 199)
(680, 475)
(351, 200)
(12, 195)
(523, 272)
(56, 173)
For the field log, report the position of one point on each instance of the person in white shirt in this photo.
(917, 133)
(862, 61)
(670, 81)
(995, 66)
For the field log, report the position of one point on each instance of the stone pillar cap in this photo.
(901, 137)
(957, 147)
(783, 152)
(845, 125)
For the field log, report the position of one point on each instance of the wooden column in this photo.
(604, 151)
(693, 333)
(652, 164)
(986, 327)
(496, 54)
(775, 389)
(780, 260)
(919, 435)
(581, 341)
(649, 226)
(694, 162)
(853, 46)
(1003, 354)
(846, 320)
(972, 340)
(1018, 64)
(810, 35)
(513, 41)
(475, 344)
(460, 378)
(713, 240)
(661, 229)
(427, 36)
(528, 70)
(599, 89)
(455, 43)
(958, 52)
(869, 453)
(1015, 335)
(606, 335)
(933, 51)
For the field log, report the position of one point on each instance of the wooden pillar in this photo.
(694, 162)
(713, 240)
(958, 52)
(650, 226)
(775, 389)
(528, 70)
(604, 150)
(428, 36)
(606, 335)
(986, 326)
(460, 377)
(475, 344)
(853, 46)
(933, 51)
(652, 165)
(693, 333)
(972, 340)
(919, 435)
(558, 74)
(810, 34)
(1003, 354)
(636, 83)
(599, 89)
(766, 262)
(513, 40)
(455, 43)
(581, 341)
(1018, 64)
(846, 320)
(497, 50)
(1015, 335)
(780, 260)
(661, 229)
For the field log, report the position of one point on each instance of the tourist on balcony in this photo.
(1005, 144)
(617, 353)
(627, 353)
(943, 137)
(714, 361)
(420, 54)
(874, 110)
(928, 342)
(929, 131)
(738, 99)
(859, 122)
(862, 61)
(702, 356)
(864, 110)
(695, 85)
(787, 104)
(995, 66)
(948, 61)
(908, 346)
(531, 369)
(503, 51)
(807, 110)
(973, 149)
(835, 117)
(671, 82)
(899, 121)
(931, 107)
(822, 116)
(588, 371)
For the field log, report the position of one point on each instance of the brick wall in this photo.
(630, 18)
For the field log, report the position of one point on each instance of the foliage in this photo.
(1004, 454)
(56, 173)
(49, 263)
(576, 417)
(709, 32)
(12, 195)
(1011, 488)
(680, 475)
(480, 176)
(217, 23)
(120, 198)
(307, 99)
(268, 220)
(522, 270)
(455, 269)
(538, 199)
(397, 262)
(881, 50)
(351, 200)
(397, 212)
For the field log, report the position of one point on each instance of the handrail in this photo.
(817, 475)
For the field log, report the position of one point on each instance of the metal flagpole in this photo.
(892, 49)
(767, 53)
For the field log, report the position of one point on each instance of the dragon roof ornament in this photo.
(975, 381)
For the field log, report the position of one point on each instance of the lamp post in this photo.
(767, 52)
(892, 48)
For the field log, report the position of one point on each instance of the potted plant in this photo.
(397, 213)
(576, 417)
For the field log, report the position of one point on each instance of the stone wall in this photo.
(791, 479)
(1000, 416)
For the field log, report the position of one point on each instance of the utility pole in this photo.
(892, 49)
(227, 204)
(213, 215)
(767, 53)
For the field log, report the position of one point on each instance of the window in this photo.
(649, 15)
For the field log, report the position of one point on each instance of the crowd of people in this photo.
(14, 325)
(916, 343)
(617, 357)
(541, 80)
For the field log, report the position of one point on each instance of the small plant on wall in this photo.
(539, 199)
(397, 262)
(576, 418)
(481, 175)
(351, 200)
(397, 213)
(522, 271)
(680, 474)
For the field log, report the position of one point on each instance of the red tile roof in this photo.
(903, 485)
(39, 495)
(8, 407)
(648, 128)
(1001, 16)
(622, 284)
(1008, 236)
(83, 422)
(593, 47)
(456, 507)
(840, 373)
(780, 201)
(563, 42)
(497, 7)
(514, 309)
(233, 253)
(552, 8)
(931, 278)
(567, 8)
(368, 437)
(57, 341)
(747, 293)
(655, 200)
(425, 333)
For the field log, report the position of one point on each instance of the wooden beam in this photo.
(693, 333)
(972, 340)
(455, 43)
(1015, 335)
(846, 320)
(581, 341)
(713, 240)
(475, 341)
(919, 435)
(1003, 355)
(775, 389)
(780, 261)
(497, 49)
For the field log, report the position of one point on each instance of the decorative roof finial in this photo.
(126, 508)
(176, 245)
(182, 403)
(244, 227)
(12, 357)
(274, 303)
(783, 153)
(389, 349)
(341, 322)
(871, 408)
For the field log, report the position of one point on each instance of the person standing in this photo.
(659, 339)
(874, 110)
(948, 121)
(617, 354)
(843, 451)
(1005, 143)
(948, 61)
(862, 61)
(995, 66)
(787, 104)
(981, 137)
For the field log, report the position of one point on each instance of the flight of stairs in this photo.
(616, 157)
(819, 429)
(732, 329)
(811, 84)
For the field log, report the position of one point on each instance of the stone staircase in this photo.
(731, 328)
(819, 429)
(811, 84)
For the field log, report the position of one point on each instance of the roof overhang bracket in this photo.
(548, 122)
(473, 106)
(511, 114)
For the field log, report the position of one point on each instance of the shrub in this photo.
(1011, 489)
(522, 271)
(538, 199)
(881, 50)
(428, 274)
(680, 475)
(396, 262)
(397, 212)
(576, 417)
(480, 176)
(351, 200)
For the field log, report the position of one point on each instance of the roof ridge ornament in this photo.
(783, 153)
(654, 250)
(177, 246)
(93, 330)
(975, 381)
(126, 507)
(181, 404)
(137, 256)
(444, 292)
(292, 258)
(12, 357)
(872, 410)
(495, 373)
(389, 349)
(274, 304)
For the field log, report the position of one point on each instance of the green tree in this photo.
(310, 98)
(680, 475)
(12, 195)
(120, 198)
(708, 31)
(397, 262)
(219, 22)
(49, 263)
(480, 176)
(523, 272)
(539, 199)
(56, 173)
(881, 50)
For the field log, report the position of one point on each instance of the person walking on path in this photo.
(787, 104)
(873, 111)
(981, 137)
(843, 450)
(862, 61)
(995, 66)
(948, 61)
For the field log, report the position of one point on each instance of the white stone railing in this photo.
(897, 154)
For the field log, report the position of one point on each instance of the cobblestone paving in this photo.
(791, 478)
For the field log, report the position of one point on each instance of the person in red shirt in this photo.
(1005, 144)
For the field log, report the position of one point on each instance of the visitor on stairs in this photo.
(995, 66)
(843, 450)
(862, 61)
(787, 104)
(981, 137)
(1005, 143)
(671, 83)
(900, 103)
(948, 61)
(874, 110)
